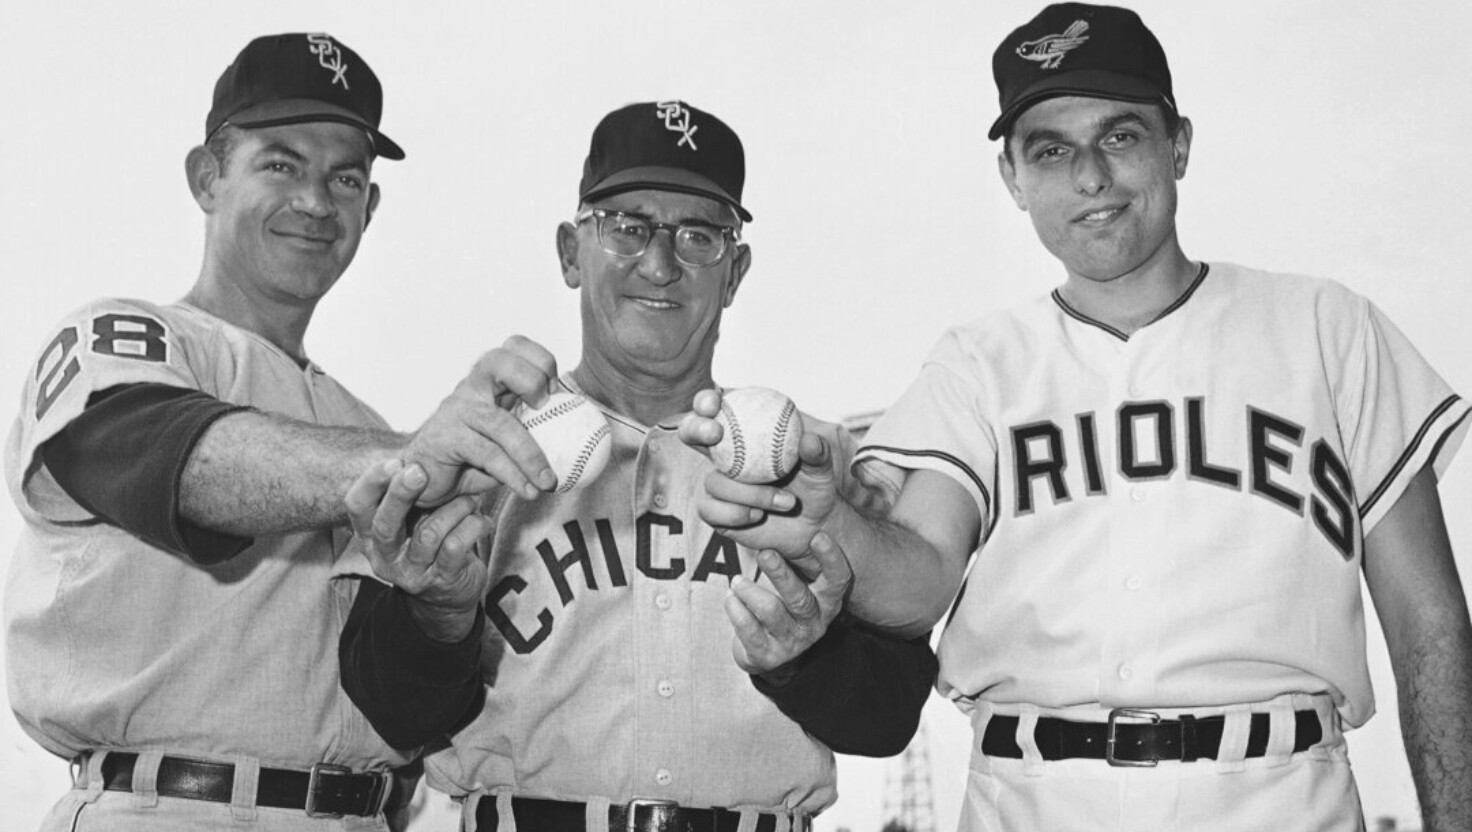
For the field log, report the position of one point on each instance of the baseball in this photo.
(573, 435)
(761, 432)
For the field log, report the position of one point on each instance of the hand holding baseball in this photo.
(774, 627)
(439, 565)
(782, 516)
(573, 434)
(473, 443)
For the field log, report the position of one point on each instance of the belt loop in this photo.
(1027, 740)
(595, 815)
(507, 817)
(145, 779)
(470, 811)
(1282, 725)
(1231, 755)
(784, 821)
(746, 821)
(244, 787)
(93, 775)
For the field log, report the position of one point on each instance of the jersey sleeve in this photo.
(411, 688)
(858, 692)
(938, 424)
(102, 345)
(1396, 414)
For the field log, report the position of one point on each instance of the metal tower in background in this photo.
(908, 803)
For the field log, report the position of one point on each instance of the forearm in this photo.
(857, 692)
(902, 584)
(412, 688)
(1435, 690)
(252, 473)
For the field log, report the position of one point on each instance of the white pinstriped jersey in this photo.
(608, 652)
(116, 644)
(1174, 518)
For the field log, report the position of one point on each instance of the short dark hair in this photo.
(1168, 114)
(222, 143)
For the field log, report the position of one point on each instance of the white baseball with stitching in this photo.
(761, 429)
(573, 434)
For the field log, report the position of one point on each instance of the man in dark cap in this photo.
(171, 628)
(610, 698)
(1175, 472)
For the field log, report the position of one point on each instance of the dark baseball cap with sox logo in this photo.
(296, 78)
(1079, 49)
(665, 146)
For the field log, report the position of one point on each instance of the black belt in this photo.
(536, 815)
(1140, 743)
(325, 791)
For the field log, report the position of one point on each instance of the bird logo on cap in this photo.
(1049, 50)
(677, 120)
(329, 56)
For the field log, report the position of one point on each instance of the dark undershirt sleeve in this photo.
(412, 689)
(122, 459)
(858, 692)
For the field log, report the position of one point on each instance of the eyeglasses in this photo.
(627, 235)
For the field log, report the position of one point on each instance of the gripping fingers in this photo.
(367, 490)
(505, 450)
(771, 612)
(750, 639)
(403, 489)
(763, 497)
(436, 529)
(791, 589)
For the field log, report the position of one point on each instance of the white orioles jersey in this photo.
(608, 652)
(1174, 518)
(115, 644)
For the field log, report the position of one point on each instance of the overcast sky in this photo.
(1330, 138)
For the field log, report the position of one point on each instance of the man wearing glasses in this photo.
(611, 700)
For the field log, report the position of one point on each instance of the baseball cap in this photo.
(1079, 49)
(295, 78)
(665, 146)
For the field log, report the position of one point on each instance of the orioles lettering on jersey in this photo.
(566, 556)
(1153, 441)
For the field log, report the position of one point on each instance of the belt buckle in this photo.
(1117, 714)
(314, 787)
(631, 821)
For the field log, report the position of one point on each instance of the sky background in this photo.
(1330, 139)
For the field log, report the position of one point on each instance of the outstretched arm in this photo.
(410, 654)
(1413, 581)
(908, 542)
(255, 473)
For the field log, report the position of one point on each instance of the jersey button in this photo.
(1126, 672)
(1133, 583)
(662, 601)
(665, 688)
(1136, 494)
(663, 777)
(660, 501)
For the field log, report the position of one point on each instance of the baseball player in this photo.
(171, 628)
(1176, 472)
(611, 700)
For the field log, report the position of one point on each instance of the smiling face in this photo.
(651, 316)
(288, 209)
(1098, 179)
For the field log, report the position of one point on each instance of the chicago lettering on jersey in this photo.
(1156, 440)
(568, 559)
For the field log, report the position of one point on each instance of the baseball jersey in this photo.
(116, 644)
(608, 652)
(1176, 517)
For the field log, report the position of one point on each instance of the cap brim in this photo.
(659, 178)
(1090, 83)
(302, 110)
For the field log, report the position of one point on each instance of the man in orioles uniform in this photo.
(611, 700)
(170, 624)
(1176, 472)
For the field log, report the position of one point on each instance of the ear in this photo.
(202, 170)
(1008, 172)
(373, 195)
(1181, 147)
(567, 254)
(740, 262)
